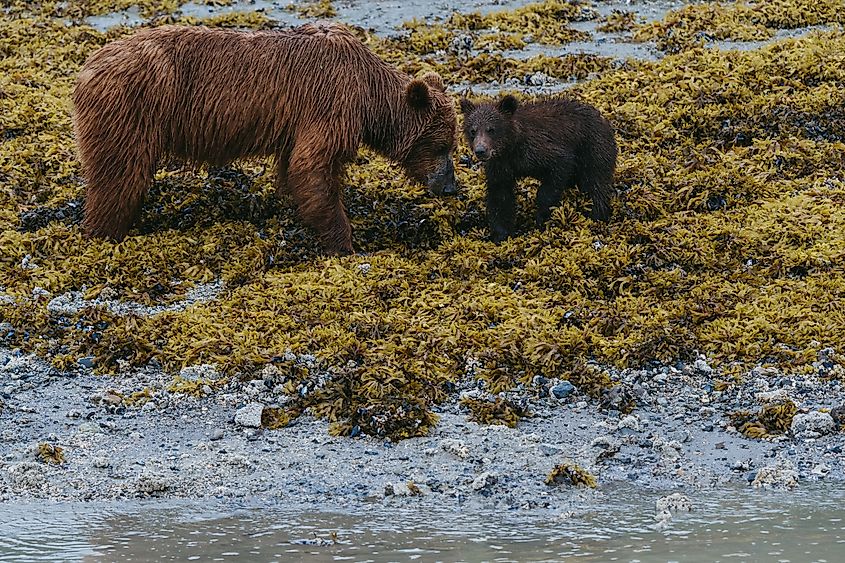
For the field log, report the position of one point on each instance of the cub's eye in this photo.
(491, 130)
(473, 130)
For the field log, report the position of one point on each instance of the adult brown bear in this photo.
(309, 96)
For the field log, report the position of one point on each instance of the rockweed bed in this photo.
(727, 237)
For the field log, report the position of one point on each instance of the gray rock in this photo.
(548, 449)
(484, 481)
(537, 79)
(89, 427)
(86, 362)
(821, 470)
(812, 425)
(461, 46)
(101, 462)
(670, 449)
(629, 421)
(250, 415)
(455, 447)
(201, 371)
(740, 465)
(151, 484)
(217, 434)
(780, 475)
(112, 399)
(702, 366)
(562, 390)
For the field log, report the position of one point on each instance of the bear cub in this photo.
(560, 142)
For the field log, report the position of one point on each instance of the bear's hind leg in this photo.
(548, 196)
(600, 195)
(282, 165)
(595, 177)
(314, 182)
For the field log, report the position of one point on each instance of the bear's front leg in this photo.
(316, 190)
(501, 205)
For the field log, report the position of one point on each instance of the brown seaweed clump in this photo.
(51, 454)
(500, 411)
(773, 419)
(571, 475)
(313, 9)
(696, 24)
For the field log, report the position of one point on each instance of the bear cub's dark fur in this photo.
(560, 142)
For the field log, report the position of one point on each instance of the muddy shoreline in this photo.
(180, 446)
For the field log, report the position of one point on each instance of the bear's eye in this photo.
(491, 130)
(473, 130)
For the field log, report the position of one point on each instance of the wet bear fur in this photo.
(561, 142)
(308, 96)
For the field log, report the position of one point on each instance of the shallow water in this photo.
(735, 525)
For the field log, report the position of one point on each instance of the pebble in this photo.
(217, 434)
(249, 416)
(821, 470)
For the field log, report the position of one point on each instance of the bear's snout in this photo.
(481, 152)
(442, 180)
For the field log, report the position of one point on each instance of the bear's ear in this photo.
(507, 105)
(434, 80)
(467, 107)
(418, 94)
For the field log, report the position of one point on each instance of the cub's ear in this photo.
(434, 80)
(417, 94)
(467, 107)
(507, 105)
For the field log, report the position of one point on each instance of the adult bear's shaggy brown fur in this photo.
(308, 96)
